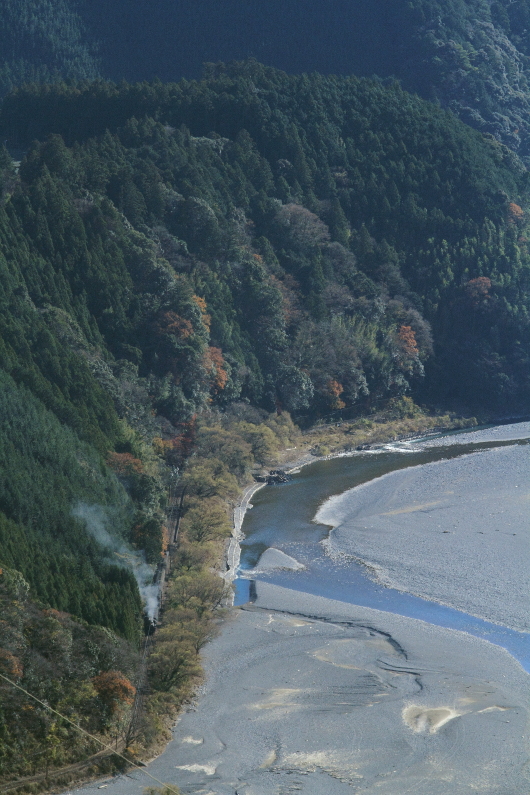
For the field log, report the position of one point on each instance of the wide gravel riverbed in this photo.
(351, 672)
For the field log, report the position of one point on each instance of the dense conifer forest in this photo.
(44, 41)
(468, 55)
(185, 267)
(316, 217)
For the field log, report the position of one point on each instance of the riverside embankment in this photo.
(313, 689)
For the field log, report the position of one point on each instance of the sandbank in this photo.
(454, 531)
(315, 696)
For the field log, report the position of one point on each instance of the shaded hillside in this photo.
(469, 55)
(43, 40)
(173, 39)
(472, 57)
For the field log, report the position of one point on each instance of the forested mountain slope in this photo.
(469, 55)
(303, 207)
(301, 243)
(238, 247)
(44, 40)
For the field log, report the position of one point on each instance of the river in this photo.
(381, 643)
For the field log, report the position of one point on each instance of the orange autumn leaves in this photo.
(407, 351)
(114, 689)
(177, 326)
(335, 390)
(478, 289)
(125, 464)
(215, 366)
(213, 361)
(10, 665)
(178, 448)
(174, 325)
(407, 341)
(515, 213)
(205, 317)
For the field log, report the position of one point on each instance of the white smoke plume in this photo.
(97, 519)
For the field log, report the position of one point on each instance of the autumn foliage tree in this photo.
(174, 325)
(407, 340)
(215, 366)
(335, 390)
(478, 289)
(114, 689)
(125, 464)
(205, 317)
(10, 665)
(515, 213)
(407, 351)
(178, 448)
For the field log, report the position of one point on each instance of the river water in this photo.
(286, 517)
(392, 658)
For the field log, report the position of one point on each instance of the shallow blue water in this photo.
(282, 517)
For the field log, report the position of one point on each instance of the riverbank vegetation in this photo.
(229, 447)
(401, 419)
(193, 608)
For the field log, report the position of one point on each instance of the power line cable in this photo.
(138, 695)
(92, 737)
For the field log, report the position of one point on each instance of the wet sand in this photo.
(454, 531)
(315, 696)
(498, 433)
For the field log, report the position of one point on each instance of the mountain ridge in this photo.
(471, 56)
